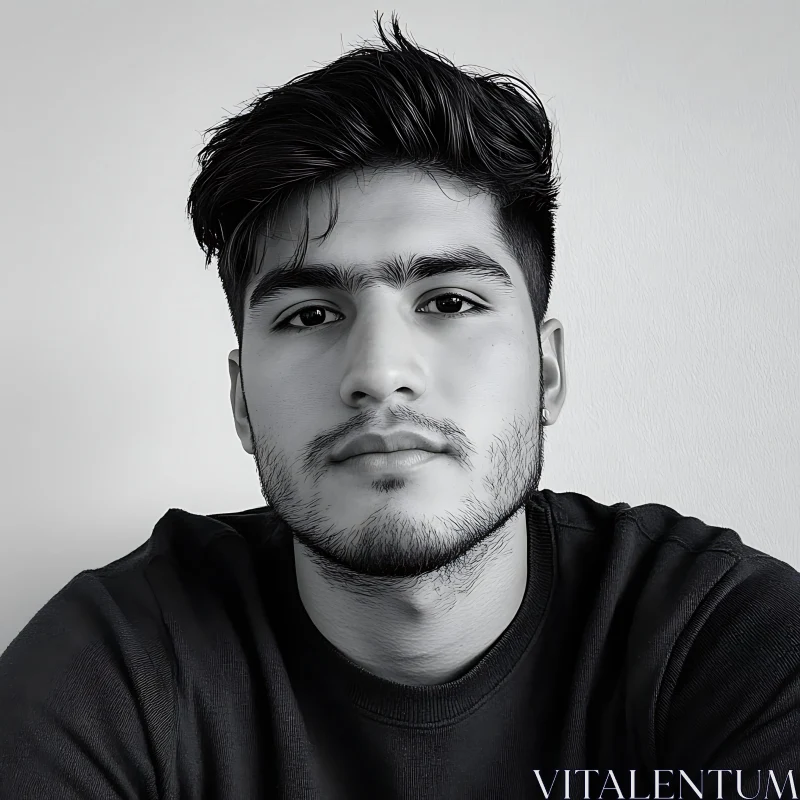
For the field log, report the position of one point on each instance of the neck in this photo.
(425, 630)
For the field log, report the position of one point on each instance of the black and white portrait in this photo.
(400, 403)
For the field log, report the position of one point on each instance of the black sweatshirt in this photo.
(189, 669)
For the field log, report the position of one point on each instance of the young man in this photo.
(410, 617)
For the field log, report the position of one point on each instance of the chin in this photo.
(429, 497)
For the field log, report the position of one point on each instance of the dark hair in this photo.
(374, 107)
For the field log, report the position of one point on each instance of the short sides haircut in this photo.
(394, 104)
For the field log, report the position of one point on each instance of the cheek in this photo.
(498, 374)
(284, 404)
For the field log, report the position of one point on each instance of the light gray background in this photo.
(676, 276)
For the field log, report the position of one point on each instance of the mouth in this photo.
(394, 461)
(393, 446)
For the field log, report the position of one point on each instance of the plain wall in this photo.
(676, 279)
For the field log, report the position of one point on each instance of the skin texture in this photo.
(412, 575)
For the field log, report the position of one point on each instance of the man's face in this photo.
(454, 357)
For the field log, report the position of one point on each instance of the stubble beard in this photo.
(391, 542)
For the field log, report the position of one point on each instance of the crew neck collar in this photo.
(431, 704)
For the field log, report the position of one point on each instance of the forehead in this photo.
(382, 213)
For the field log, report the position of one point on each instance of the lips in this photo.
(389, 442)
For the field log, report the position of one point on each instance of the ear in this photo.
(243, 430)
(553, 368)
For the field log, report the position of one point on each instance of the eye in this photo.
(451, 304)
(310, 317)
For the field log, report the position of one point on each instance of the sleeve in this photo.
(84, 702)
(735, 703)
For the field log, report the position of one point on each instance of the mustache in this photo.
(312, 453)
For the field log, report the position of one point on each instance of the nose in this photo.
(383, 358)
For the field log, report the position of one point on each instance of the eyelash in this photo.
(284, 324)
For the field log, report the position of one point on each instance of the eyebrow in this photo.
(396, 272)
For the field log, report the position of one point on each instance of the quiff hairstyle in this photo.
(395, 104)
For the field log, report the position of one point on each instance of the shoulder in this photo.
(654, 545)
(682, 569)
(644, 526)
(127, 602)
(705, 615)
(106, 647)
(713, 631)
(730, 691)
